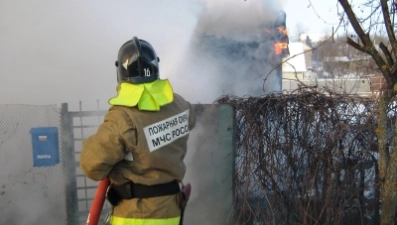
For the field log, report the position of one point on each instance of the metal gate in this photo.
(78, 125)
(209, 164)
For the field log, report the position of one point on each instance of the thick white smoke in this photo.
(239, 20)
(229, 52)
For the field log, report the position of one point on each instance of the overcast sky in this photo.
(55, 51)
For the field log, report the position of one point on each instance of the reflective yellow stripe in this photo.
(114, 220)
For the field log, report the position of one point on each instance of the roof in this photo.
(314, 37)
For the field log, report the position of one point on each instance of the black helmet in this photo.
(137, 62)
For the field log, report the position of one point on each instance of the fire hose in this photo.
(185, 195)
(97, 203)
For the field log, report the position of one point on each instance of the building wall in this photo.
(293, 76)
(360, 86)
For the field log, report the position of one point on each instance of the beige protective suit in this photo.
(144, 147)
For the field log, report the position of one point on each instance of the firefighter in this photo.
(142, 142)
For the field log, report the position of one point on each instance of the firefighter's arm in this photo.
(106, 148)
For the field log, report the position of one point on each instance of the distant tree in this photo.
(300, 30)
(337, 59)
(380, 18)
(309, 42)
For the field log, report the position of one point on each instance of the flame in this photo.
(282, 30)
(282, 44)
(279, 47)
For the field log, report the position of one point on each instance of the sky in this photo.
(312, 16)
(56, 51)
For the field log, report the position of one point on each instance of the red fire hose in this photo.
(97, 203)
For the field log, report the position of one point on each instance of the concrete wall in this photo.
(359, 86)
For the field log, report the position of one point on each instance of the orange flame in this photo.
(279, 47)
(282, 30)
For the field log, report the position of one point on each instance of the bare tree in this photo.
(300, 30)
(338, 59)
(384, 54)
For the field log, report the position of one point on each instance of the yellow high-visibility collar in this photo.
(148, 96)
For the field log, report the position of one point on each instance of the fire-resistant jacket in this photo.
(144, 147)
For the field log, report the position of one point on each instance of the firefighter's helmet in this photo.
(137, 62)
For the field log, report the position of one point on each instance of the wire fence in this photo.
(29, 193)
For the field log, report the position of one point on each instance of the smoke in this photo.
(54, 52)
(229, 52)
(239, 20)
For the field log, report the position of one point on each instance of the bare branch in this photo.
(367, 44)
(388, 55)
(356, 45)
(354, 22)
(388, 25)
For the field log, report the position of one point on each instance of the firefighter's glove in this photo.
(113, 196)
